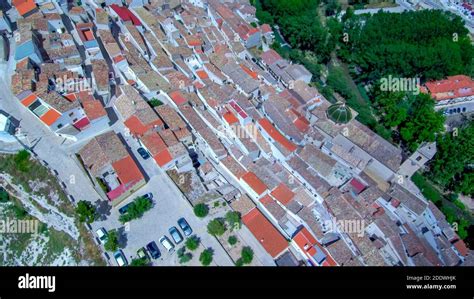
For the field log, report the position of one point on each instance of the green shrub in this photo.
(201, 210)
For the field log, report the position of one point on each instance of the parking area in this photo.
(169, 205)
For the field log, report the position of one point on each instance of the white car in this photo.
(120, 258)
(102, 235)
(166, 243)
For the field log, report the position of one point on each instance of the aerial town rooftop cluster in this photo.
(313, 185)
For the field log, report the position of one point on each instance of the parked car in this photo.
(101, 235)
(124, 209)
(148, 196)
(145, 155)
(120, 258)
(153, 249)
(175, 234)
(141, 253)
(185, 227)
(166, 243)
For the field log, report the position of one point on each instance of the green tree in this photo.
(3, 195)
(184, 256)
(201, 210)
(422, 123)
(233, 219)
(86, 211)
(192, 243)
(139, 262)
(206, 257)
(450, 166)
(22, 160)
(112, 243)
(136, 209)
(232, 240)
(247, 255)
(216, 227)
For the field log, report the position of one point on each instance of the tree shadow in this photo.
(103, 209)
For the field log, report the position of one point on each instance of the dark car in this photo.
(175, 234)
(185, 227)
(148, 196)
(145, 155)
(153, 249)
(124, 209)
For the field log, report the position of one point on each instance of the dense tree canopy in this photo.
(299, 23)
(429, 44)
(452, 164)
(413, 115)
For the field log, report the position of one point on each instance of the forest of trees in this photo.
(427, 44)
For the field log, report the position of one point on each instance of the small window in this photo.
(418, 158)
(71, 114)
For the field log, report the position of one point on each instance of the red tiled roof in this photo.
(276, 135)
(50, 117)
(461, 247)
(93, 109)
(178, 97)
(230, 118)
(202, 74)
(450, 88)
(251, 73)
(268, 236)
(309, 245)
(24, 6)
(153, 142)
(254, 182)
(127, 171)
(163, 158)
(266, 28)
(118, 58)
(135, 126)
(125, 14)
(283, 194)
(270, 57)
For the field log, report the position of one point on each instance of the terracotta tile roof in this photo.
(135, 126)
(153, 142)
(50, 117)
(254, 182)
(276, 135)
(127, 171)
(268, 236)
(461, 247)
(270, 57)
(163, 158)
(283, 194)
(450, 88)
(178, 97)
(230, 118)
(24, 6)
(202, 74)
(266, 28)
